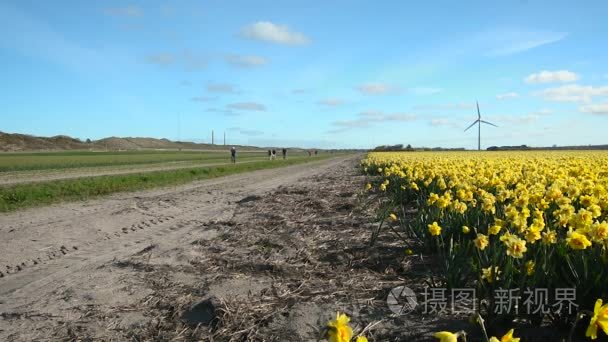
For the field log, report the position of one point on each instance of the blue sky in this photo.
(332, 74)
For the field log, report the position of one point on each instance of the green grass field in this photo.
(20, 196)
(79, 159)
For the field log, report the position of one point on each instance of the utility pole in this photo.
(179, 130)
(179, 126)
(224, 138)
(212, 138)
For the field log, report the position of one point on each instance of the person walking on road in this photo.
(233, 154)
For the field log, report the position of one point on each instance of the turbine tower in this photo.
(478, 122)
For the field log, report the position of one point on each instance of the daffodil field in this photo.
(505, 220)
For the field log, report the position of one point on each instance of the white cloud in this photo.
(446, 106)
(505, 96)
(331, 102)
(127, 11)
(251, 132)
(193, 62)
(377, 89)
(425, 90)
(504, 42)
(516, 120)
(559, 76)
(542, 112)
(162, 59)
(244, 61)
(203, 98)
(225, 88)
(597, 109)
(188, 60)
(270, 32)
(528, 118)
(357, 123)
(372, 114)
(572, 93)
(370, 117)
(253, 106)
(399, 117)
(226, 112)
(439, 122)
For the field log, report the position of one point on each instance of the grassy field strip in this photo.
(68, 160)
(44, 193)
(14, 177)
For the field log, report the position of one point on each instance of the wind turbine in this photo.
(478, 122)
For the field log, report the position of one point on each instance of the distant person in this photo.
(233, 154)
(284, 153)
(274, 154)
(269, 155)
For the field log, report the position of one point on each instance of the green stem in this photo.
(579, 316)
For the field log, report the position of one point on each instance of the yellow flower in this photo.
(361, 339)
(577, 240)
(490, 274)
(596, 210)
(393, 217)
(461, 194)
(507, 338)
(434, 229)
(530, 266)
(516, 247)
(599, 319)
(433, 197)
(368, 186)
(446, 336)
(339, 330)
(442, 202)
(414, 186)
(493, 230)
(533, 234)
(465, 230)
(488, 205)
(482, 241)
(506, 237)
(549, 237)
(599, 231)
(409, 252)
(459, 207)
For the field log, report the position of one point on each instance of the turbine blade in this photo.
(478, 112)
(489, 123)
(473, 124)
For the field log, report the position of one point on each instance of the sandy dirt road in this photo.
(45, 252)
(269, 255)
